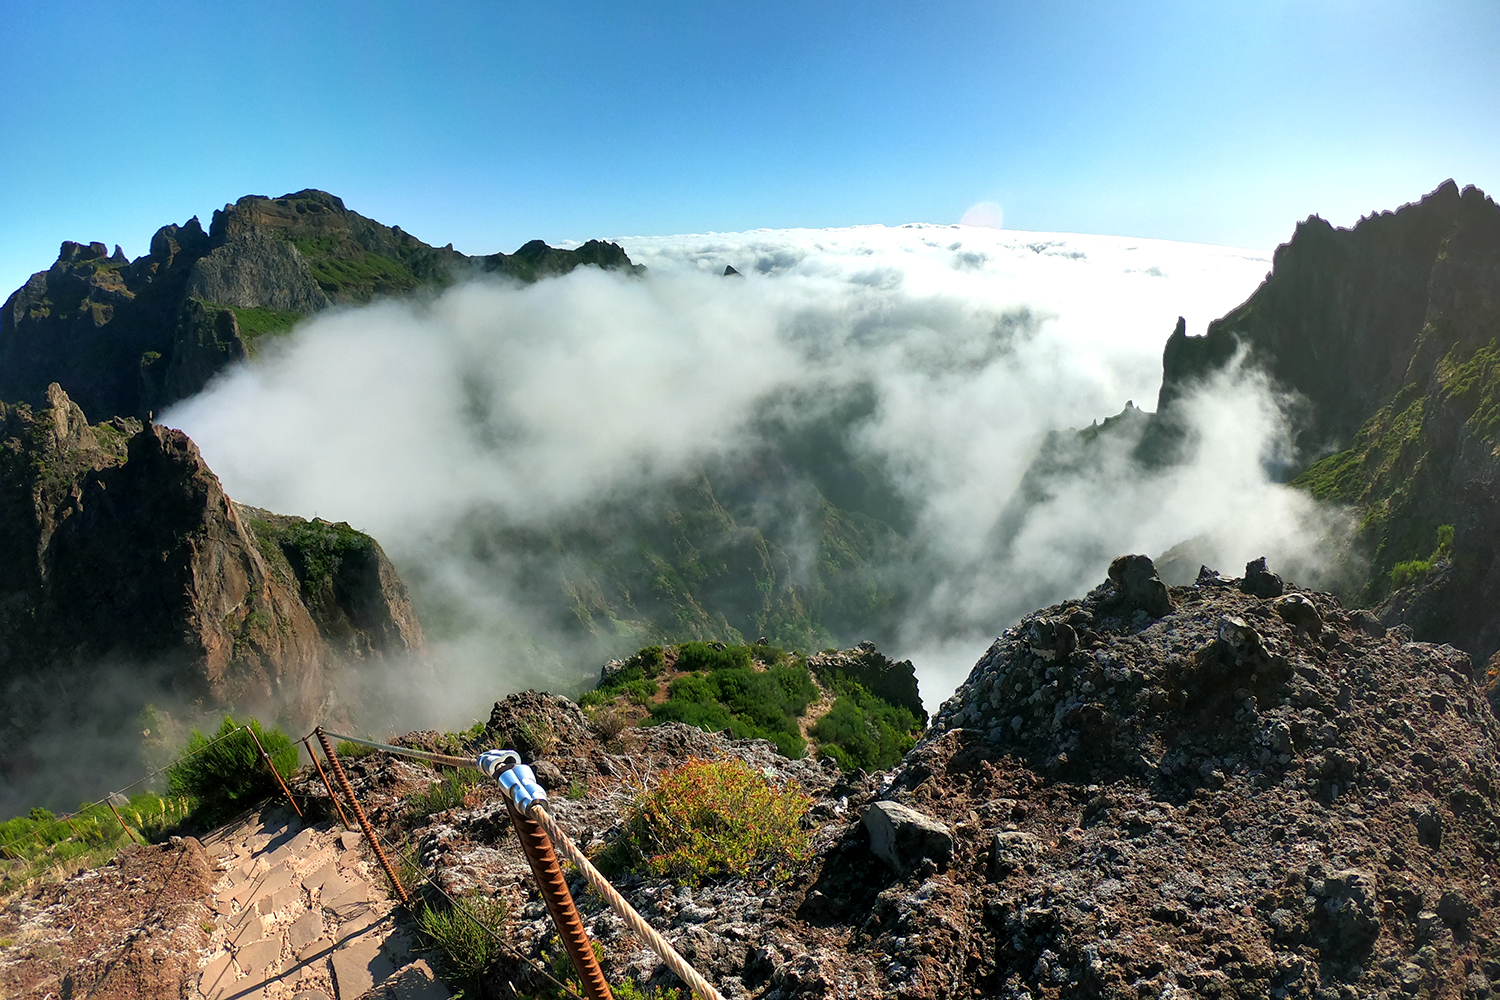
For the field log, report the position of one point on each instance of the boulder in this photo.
(1011, 851)
(1051, 639)
(1138, 586)
(1367, 622)
(1296, 610)
(1259, 581)
(904, 838)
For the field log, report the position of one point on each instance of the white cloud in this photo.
(403, 418)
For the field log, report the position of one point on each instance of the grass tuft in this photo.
(468, 950)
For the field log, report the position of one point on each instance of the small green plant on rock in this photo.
(1413, 569)
(711, 819)
(448, 792)
(459, 933)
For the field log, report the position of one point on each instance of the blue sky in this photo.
(488, 124)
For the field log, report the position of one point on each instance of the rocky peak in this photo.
(132, 338)
(127, 568)
(308, 210)
(1341, 315)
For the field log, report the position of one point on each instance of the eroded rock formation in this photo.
(128, 577)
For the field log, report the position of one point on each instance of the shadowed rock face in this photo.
(128, 577)
(1342, 316)
(1387, 333)
(132, 337)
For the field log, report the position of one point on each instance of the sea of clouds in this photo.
(536, 402)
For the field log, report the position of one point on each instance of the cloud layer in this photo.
(531, 403)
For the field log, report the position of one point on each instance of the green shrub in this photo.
(706, 656)
(1412, 569)
(467, 949)
(226, 776)
(861, 730)
(751, 704)
(650, 659)
(709, 820)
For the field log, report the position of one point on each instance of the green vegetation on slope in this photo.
(760, 692)
(861, 730)
(314, 551)
(1411, 569)
(257, 323)
(723, 691)
(344, 269)
(1474, 385)
(40, 840)
(1395, 472)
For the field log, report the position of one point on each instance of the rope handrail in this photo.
(621, 906)
(531, 809)
(534, 810)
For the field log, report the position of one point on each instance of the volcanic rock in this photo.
(1259, 581)
(904, 838)
(128, 577)
(1138, 585)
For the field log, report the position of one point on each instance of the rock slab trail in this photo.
(299, 914)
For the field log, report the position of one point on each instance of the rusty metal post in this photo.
(359, 814)
(332, 797)
(537, 847)
(274, 773)
(127, 829)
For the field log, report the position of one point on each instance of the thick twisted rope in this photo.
(634, 920)
(617, 902)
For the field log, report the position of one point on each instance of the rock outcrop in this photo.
(1384, 335)
(130, 338)
(128, 577)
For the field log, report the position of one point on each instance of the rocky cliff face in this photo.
(129, 578)
(131, 337)
(1387, 334)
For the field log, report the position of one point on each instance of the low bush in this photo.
(1413, 569)
(225, 773)
(708, 820)
(712, 656)
(608, 723)
(468, 950)
(861, 730)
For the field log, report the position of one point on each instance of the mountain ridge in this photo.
(129, 338)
